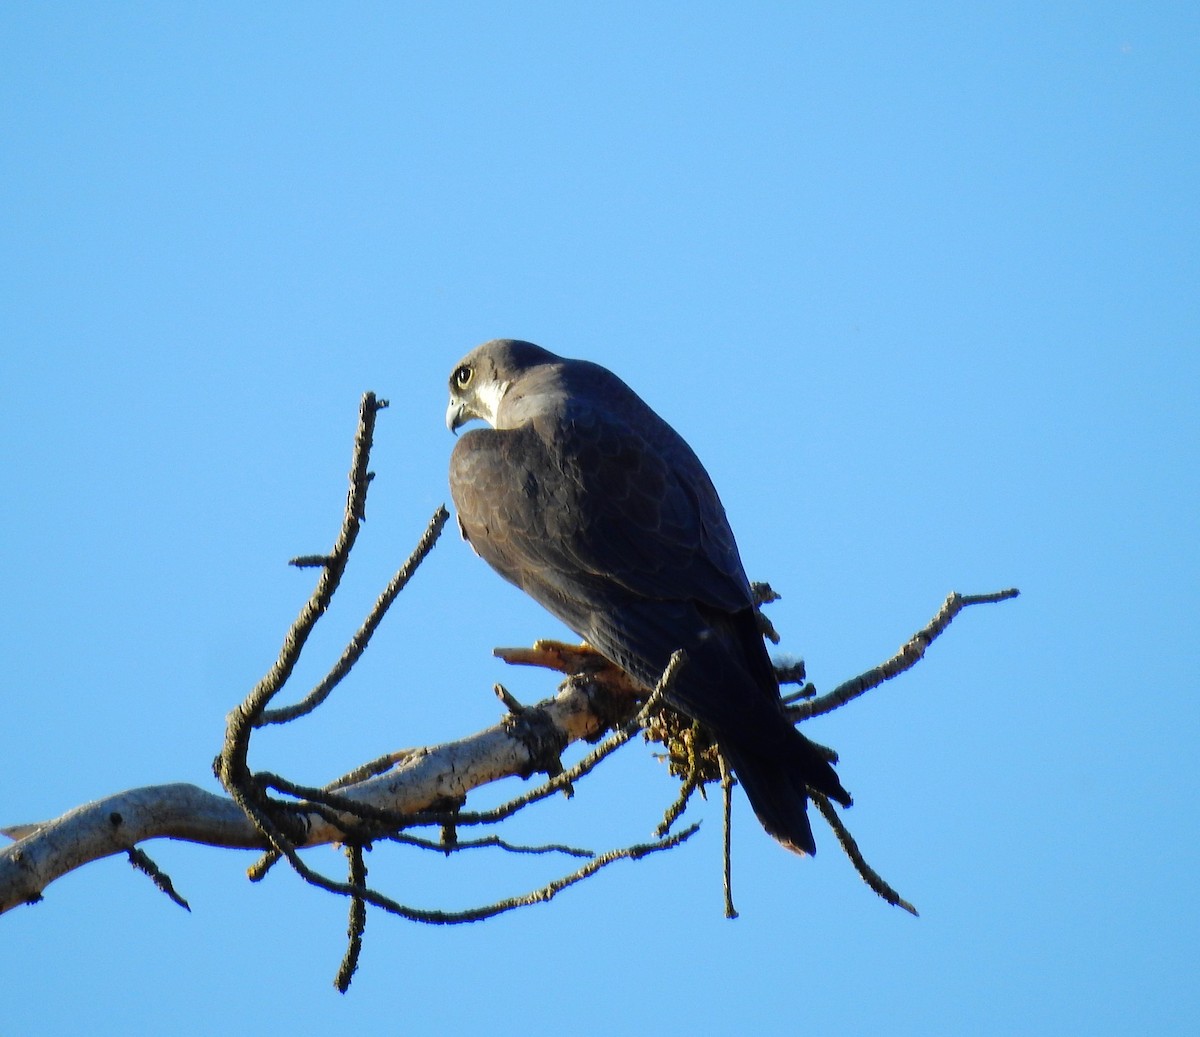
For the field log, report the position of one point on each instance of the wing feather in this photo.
(588, 504)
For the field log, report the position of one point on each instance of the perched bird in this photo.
(593, 505)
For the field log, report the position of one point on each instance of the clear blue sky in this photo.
(919, 283)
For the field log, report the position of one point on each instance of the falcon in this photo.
(583, 497)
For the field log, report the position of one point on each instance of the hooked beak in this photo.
(457, 415)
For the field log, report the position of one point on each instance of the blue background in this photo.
(918, 282)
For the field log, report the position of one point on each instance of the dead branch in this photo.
(426, 777)
(384, 799)
(909, 655)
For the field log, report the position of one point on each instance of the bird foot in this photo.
(571, 659)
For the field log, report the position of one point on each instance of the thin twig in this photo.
(140, 860)
(908, 656)
(487, 841)
(868, 874)
(231, 767)
(358, 920)
(542, 895)
(690, 784)
(686, 791)
(258, 870)
(511, 702)
(314, 799)
(362, 637)
(727, 826)
(372, 768)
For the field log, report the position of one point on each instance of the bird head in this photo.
(482, 379)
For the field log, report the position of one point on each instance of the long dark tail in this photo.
(777, 778)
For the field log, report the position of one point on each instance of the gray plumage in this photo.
(593, 505)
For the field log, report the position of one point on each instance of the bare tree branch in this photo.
(426, 777)
(414, 781)
(419, 787)
(909, 655)
(362, 637)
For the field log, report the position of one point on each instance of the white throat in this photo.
(488, 397)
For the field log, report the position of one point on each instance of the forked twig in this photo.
(231, 766)
(362, 637)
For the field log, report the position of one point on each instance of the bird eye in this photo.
(462, 377)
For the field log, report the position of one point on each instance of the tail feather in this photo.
(777, 783)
